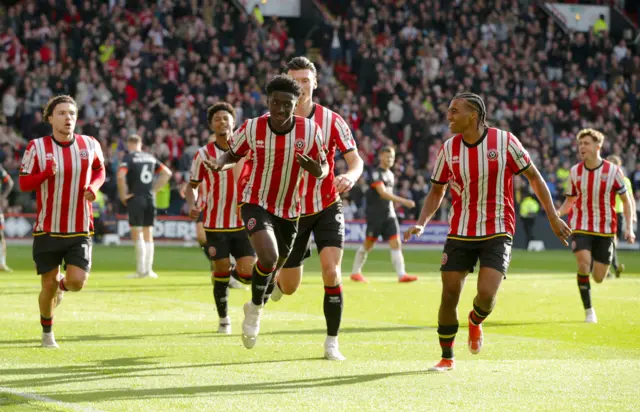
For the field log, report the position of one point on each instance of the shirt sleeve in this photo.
(197, 168)
(98, 158)
(4, 176)
(619, 184)
(573, 189)
(441, 171)
(240, 144)
(518, 159)
(29, 162)
(124, 164)
(376, 179)
(342, 135)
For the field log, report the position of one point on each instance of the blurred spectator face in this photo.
(307, 80)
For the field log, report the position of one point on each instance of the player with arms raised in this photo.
(137, 191)
(225, 232)
(282, 146)
(321, 207)
(595, 182)
(65, 170)
(479, 163)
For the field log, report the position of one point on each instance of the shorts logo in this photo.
(212, 251)
(299, 144)
(445, 258)
(573, 245)
(84, 154)
(492, 155)
(251, 223)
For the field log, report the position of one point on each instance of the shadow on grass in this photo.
(273, 387)
(117, 368)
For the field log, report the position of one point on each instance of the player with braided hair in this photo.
(479, 163)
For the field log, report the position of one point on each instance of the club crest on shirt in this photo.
(299, 144)
(604, 176)
(492, 154)
(49, 156)
(84, 154)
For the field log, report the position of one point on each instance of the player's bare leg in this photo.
(220, 280)
(452, 283)
(288, 282)
(360, 258)
(584, 261)
(147, 235)
(243, 270)
(3, 253)
(331, 262)
(141, 251)
(489, 281)
(397, 259)
(47, 301)
(266, 246)
(201, 237)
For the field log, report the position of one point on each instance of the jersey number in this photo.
(145, 175)
(87, 252)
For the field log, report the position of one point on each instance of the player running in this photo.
(282, 146)
(224, 230)
(381, 218)
(590, 203)
(65, 170)
(321, 207)
(479, 163)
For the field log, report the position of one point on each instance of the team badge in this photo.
(49, 156)
(84, 154)
(212, 251)
(604, 176)
(251, 223)
(299, 144)
(445, 258)
(573, 245)
(492, 154)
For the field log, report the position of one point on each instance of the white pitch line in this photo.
(45, 399)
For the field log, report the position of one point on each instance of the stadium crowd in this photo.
(389, 68)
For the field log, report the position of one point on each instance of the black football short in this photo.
(221, 244)
(601, 247)
(256, 218)
(386, 227)
(142, 211)
(50, 251)
(327, 227)
(462, 255)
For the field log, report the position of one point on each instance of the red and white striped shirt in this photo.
(61, 206)
(220, 191)
(274, 183)
(481, 179)
(317, 195)
(596, 189)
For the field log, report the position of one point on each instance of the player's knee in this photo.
(584, 268)
(486, 298)
(268, 260)
(331, 276)
(222, 265)
(450, 295)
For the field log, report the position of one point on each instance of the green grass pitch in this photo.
(150, 345)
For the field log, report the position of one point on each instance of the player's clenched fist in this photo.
(413, 230)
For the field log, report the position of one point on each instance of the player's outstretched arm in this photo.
(386, 195)
(222, 163)
(629, 235)
(431, 204)
(345, 182)
(559, 227)
(566, 205)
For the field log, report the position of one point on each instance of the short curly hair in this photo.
(284, 83)
(212, 110)
(53, 102)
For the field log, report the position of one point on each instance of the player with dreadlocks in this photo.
(479, 163)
